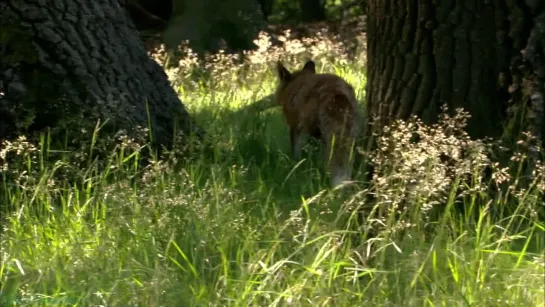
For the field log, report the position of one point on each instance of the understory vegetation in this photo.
(236, 222)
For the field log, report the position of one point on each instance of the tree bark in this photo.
(148, 14)
(461, 53)
(68, 58)
(266, 8)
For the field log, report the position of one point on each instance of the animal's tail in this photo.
(264, 104)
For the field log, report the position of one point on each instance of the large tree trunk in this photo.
(266, 8)
(462, 53)
(312, 10)
(69, 58)
(149, 14)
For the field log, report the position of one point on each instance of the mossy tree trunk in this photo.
(67, 60)
(466, 54)
(312, 10)
(266, 8)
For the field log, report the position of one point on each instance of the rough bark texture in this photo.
(534, 53)
(68, 58)
(462, 53)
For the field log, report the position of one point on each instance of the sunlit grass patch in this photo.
(240, 223)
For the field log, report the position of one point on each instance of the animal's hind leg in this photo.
(336, 158)
(297, 139)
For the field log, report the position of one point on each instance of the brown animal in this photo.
(323, 106)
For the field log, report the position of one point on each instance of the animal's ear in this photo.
(283, 73)
(310, 66)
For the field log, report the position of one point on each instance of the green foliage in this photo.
(285, 11)
(205, 23)
(239, 223)
(290, 12)
(346, 11)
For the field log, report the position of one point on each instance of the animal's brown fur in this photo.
(323, 106)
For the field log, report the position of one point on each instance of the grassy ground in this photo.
(244, 225)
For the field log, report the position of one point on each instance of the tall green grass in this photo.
(244, 225)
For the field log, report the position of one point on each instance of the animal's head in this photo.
(285, 77)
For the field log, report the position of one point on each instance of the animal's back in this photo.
(323, 106)
(313, 94)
